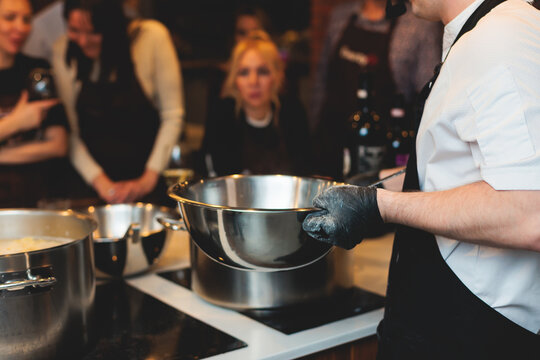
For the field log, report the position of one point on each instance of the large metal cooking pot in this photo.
(129, 239)
(252, 222)
(46, 296)
(246, 289)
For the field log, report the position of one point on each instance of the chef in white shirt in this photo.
(464, 278)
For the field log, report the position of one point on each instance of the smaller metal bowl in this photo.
(128, 240)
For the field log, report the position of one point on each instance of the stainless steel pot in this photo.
(129, 239)
(245, 289)
(46, 296)
(252, 222)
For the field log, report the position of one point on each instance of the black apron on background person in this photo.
(354, 47)
(118, 124)
(430, 313)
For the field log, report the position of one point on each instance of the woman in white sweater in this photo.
(122, 88)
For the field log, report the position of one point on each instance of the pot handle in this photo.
(133, 233)
(31, 280)
(171, 224)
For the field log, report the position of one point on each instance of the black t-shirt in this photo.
(235, 146)
(12, 82)
(23, 185)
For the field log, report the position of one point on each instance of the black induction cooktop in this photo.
(132, 325)
(289, 320)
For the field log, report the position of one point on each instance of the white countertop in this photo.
(370, 262)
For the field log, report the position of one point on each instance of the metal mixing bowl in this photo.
(129, 239)
(252, 222)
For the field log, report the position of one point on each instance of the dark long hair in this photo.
(108, 19)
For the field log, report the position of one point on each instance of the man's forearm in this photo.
(474, 213)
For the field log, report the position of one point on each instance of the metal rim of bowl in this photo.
(186, 184)
(261, 268)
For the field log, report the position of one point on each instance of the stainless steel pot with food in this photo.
(47, 284)
(249, 249)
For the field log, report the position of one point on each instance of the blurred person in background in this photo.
(247, 19)
(32, 132)
(49, 24)
(253, 130)
(121, 85)
(401, 54)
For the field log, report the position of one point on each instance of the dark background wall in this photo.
(204, 28)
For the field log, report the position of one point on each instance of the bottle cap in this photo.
(397, 112)
(361, 93)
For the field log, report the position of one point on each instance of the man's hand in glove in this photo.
(347, 212)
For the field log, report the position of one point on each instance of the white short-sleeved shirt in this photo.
(482, 122)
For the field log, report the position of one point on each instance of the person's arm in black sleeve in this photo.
(298, 136)
(220, 140)
(210, 138)
(318, 93)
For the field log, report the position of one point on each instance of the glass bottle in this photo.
(365, 146)
(399, 138)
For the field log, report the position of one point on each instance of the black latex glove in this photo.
(348, 212)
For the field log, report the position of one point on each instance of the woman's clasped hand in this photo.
(125, 191)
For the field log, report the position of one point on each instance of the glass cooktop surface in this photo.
(133, 325)
(289, 320)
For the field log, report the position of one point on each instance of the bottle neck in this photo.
(363, 92)
(363, 102)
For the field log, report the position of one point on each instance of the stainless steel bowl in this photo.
(252, 222)
(129, 239)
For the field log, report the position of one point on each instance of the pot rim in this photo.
(66, 213)
(180, 187)
(133, 204)
(164, 209)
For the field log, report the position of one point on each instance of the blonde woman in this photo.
(253, 129)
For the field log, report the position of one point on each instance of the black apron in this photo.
(344, 67)
(118, 124)
(430, 313)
